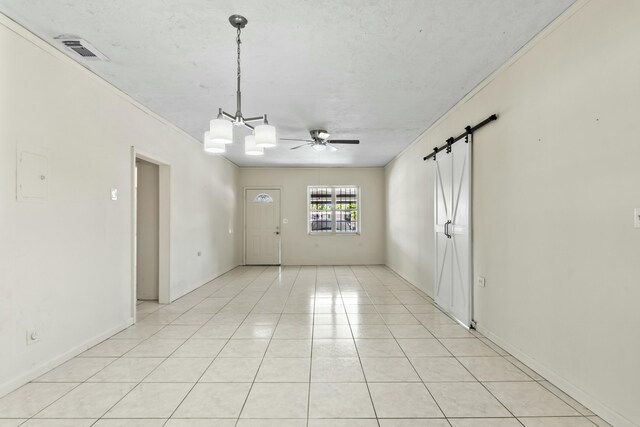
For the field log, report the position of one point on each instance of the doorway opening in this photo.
(150, 239)
(148, 230)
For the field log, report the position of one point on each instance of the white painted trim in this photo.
(214, 277)
(22, 379)
(58, 54)
(547, 31)
(578, 394)
(409, 281)
(164, 232)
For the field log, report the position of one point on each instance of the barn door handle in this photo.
(446, 229)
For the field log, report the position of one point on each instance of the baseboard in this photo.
(328, 264)
(214, 277)
(584, 398)
(408, 281)
(22, 379)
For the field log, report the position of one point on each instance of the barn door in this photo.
(453, 274)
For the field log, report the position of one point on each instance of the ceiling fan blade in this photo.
(295, 139)
(344, 141)
(303, 145)
(331, 148)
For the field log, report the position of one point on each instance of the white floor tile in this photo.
(340, 400)
(466, 400)
(76, 370)
(89, 400)
(128, 369)
(179, 370)
(219, 400)
(284, 369)
(150, 401)
(336, 369)
(403, 400)
(279, 400)
(389, 369)
(529, 399)
(31, 398)
(312, 346)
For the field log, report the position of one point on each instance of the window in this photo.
(334, 210)
(263, 198)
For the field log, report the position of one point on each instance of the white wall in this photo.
(66, 263)
(147, 230)
(300, 248)
(556, 181)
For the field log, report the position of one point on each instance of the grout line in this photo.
(216, 356)
(243, 282)
(270, 339)
(427, 388)
(116, 358)
(366, 381)
(313, 327)
(166, 358)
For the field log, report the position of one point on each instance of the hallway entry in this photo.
(147, 226)
(151, 205)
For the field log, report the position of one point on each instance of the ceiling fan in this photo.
(320, 141)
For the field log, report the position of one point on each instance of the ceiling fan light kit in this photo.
(221, 128)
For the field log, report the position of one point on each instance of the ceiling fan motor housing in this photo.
(319, 135)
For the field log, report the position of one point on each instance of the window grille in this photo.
(334, 210)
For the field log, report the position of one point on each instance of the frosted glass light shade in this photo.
(266, 136)
(250, 147)
(319, 147)
(212, 147)
(221, 131)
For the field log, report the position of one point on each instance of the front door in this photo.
(453, 275)
(262, 229)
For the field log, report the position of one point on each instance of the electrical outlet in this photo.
(33, 336)
(481, 281)
(636, 217)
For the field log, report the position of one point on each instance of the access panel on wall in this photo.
(262, 227)
(453, 262)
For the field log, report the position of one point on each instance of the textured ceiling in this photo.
(379, 71)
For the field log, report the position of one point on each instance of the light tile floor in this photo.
(350, 346)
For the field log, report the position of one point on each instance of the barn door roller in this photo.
(468, 130)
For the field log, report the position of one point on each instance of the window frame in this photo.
(333, 211)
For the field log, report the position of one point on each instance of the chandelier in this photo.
(220, 131)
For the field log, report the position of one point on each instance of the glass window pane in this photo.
(333, 209)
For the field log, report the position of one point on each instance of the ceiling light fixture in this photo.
(212, 146)
(251, 147)
(221, 128)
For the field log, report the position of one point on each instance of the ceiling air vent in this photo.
(82, 48)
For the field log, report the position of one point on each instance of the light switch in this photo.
(114, 194)
(636, 217)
